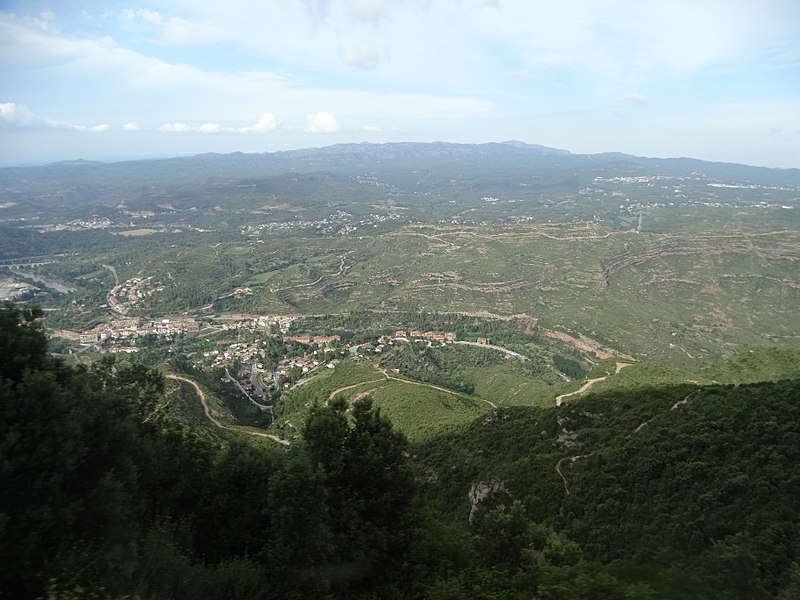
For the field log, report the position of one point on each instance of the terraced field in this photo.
(674, 297)
(654, 296)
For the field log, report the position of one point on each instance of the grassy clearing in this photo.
(417, 409)
(505, 386)
(764, 364)
(293, 407)
(421, 412)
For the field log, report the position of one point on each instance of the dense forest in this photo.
(679, 491)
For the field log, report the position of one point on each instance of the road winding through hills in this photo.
(215, 421)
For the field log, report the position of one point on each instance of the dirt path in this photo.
(362, 395)
(350, 387)
(526, 235)
(680, 402)
(433, 238)
(673, 407)
(435, 387)
(581, 390)
(387, 377)
(216, 422)
(506, 351)
(571, 459)
(590, 383)
(299, 285)
(641, 426)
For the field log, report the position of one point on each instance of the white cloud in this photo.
(322, 122)
(177, 31)
(373, 128)
(77, 127)
(636, 98)
(130, 79)
(210, 128)
(268, 122)
(441, 68)
(176, 128)
(18, 115)
(368, 10)
(149, 16)
(15, 115)
(131, 127)
(363, 56)
(522, 74)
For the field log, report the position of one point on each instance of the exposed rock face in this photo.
(481, 491)
(568, 438)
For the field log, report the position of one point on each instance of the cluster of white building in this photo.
(134, 327)
(129, 294)
(253, 322)
(400, 335)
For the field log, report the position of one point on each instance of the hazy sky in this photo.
(718, 80)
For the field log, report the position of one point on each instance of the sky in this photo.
(113, 80)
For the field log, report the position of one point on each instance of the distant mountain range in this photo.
(393, 162)
(359, 158)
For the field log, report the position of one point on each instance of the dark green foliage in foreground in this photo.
(21, 345)
(700, 502)
(675, 492)
(83, 468)
(99, 493)
(711, 485)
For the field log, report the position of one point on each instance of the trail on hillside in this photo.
(641, 426)
(506, 351)
(571, 459)
(673, 407)
(586, 344)
(532, 234)
(350, 387)
(580, 390)
(216, 422)
(435, 387)
(590, 383)
(299, 285)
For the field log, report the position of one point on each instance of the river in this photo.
(48, 283)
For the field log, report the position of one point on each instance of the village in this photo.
(256, 352)
(304, 356)
(124, 331)
(125, 296)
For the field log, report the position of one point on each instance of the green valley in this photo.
(400, 371)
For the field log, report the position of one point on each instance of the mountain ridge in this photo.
(406, 149)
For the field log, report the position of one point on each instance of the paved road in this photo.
(516, 355)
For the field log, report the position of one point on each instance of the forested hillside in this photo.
(101, 495)
(649, 492)
(691, 492)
